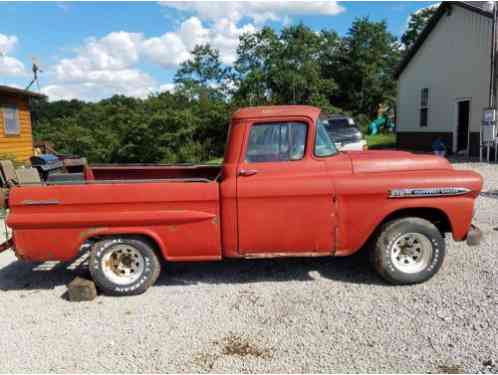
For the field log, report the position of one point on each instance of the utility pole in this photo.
(489, 118)
(493, 78)
(492, 81)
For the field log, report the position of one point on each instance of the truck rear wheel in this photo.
(124, 266)
(408, 251)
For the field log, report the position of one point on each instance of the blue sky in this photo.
(92, 50)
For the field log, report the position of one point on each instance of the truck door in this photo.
(285, 196)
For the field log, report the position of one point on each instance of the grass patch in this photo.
(381, 141)
(215, 161)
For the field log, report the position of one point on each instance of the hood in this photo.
(395, 161)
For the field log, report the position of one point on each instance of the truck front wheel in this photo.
(408, 251)
(124, 266)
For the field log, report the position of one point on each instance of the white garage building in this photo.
(443, 81)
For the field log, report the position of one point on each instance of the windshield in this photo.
(323, 144)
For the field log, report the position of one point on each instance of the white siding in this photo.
(453, 63)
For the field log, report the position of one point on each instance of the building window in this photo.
(11, 120)
(424, 108)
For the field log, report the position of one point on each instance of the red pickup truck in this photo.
(283, 191)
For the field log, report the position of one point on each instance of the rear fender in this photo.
(92, 233)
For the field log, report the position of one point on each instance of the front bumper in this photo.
(474, 236)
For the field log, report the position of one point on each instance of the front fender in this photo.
(359, 220)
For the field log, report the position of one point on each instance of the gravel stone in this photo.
(299, 315)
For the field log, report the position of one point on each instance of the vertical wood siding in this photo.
(21, 146)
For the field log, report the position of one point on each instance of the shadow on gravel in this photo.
(355, 269)
(36, 276)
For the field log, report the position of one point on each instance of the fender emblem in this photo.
(428, 192)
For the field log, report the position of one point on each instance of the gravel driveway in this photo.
(311, 315)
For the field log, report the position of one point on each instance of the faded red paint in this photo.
(310, 207)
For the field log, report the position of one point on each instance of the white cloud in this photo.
(64, 92)
(169, 87)
(98, 84)
(9, 66)
(64, 6)
(7, 43)
(173, 48)
(115, 51)
(106, 66)
(92, 91)
(102, 67)
(109, 65)
(258, 11)
(225, 38)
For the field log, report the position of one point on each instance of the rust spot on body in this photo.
(90, 231)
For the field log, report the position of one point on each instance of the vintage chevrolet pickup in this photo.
(282, 191)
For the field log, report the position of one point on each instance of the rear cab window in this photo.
(276, 142)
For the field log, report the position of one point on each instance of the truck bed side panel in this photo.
(51, 222)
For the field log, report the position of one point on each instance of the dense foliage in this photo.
(416, 24)
(295, 66)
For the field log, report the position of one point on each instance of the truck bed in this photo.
(141, 172)
(51, 222)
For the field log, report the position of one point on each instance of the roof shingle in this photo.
(19, 92)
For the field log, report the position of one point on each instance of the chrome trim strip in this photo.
(428, 192)
(47, 202)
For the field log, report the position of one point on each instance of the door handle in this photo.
(247, 172)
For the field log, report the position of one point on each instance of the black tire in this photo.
(389, 259)
(112, 251)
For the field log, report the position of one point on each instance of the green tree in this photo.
(283, 68)
(294, 66)
(202, 76)
(297, 78)
(253, 67)
(364, 67)
(416, 24)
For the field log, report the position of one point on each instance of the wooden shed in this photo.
(16, 137)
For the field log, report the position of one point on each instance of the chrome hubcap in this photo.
(412, 253)
(123, 265)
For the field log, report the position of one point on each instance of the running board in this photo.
(284, 255)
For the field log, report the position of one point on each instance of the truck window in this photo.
(324, 146)
(276, 142)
